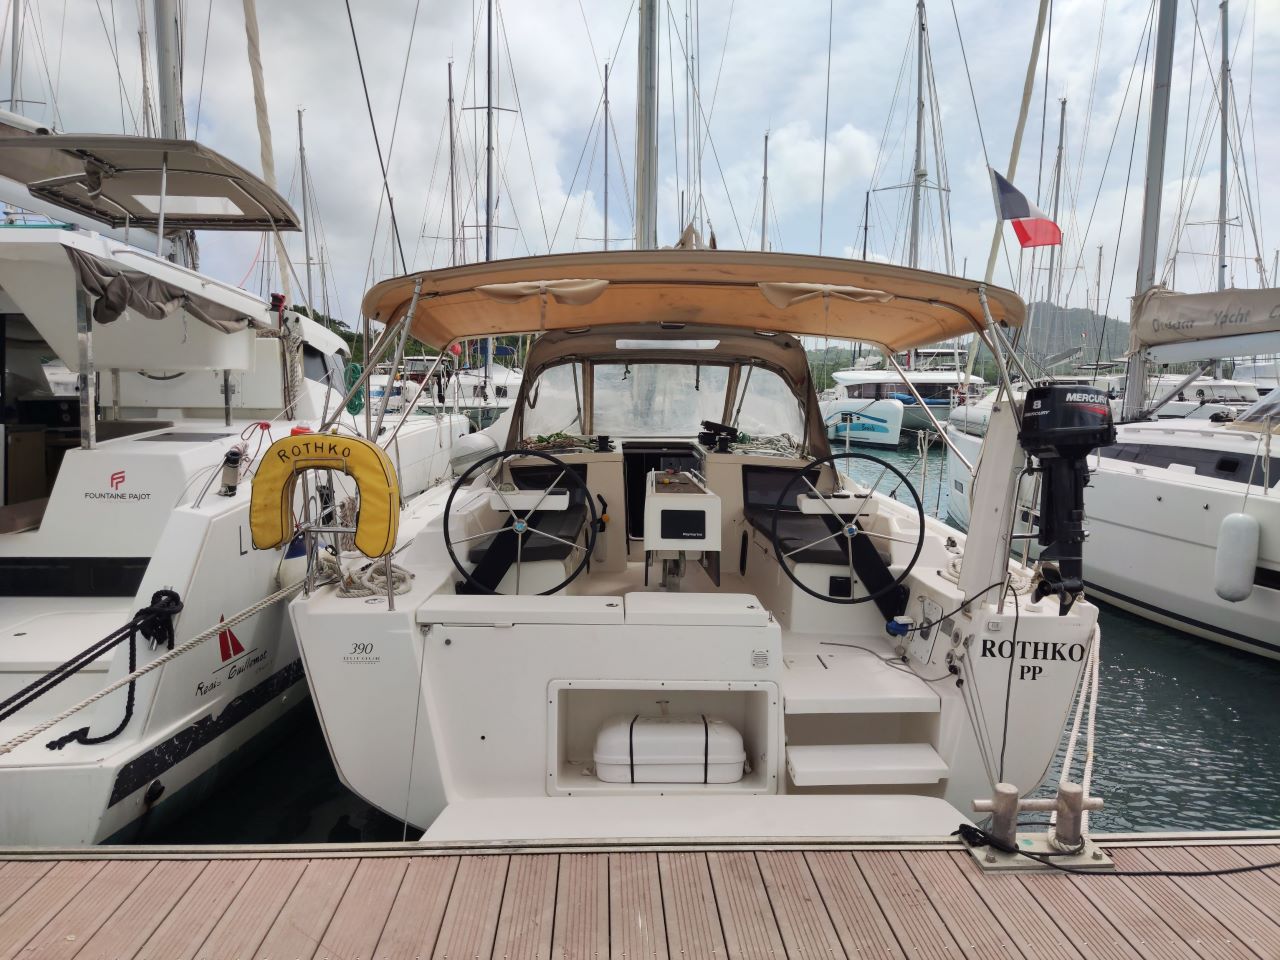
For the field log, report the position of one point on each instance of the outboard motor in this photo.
(1061, 425)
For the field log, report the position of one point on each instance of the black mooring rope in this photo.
(154, 622)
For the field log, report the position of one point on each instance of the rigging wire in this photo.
(113, 46)
(204, 60)
(426, 204)
(697, 102)
(386, 186)
(1124, 205)
(515, 89)
(724, 49)
(1139, 59)
(573, 182)
(826, 116)
(38, 26)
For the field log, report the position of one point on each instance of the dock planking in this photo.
(634, 902)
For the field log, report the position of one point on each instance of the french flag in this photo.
(1033, 228)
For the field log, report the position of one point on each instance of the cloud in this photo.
(762, 66)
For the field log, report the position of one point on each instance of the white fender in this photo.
(1237, 559)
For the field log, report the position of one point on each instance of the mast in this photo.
(265, 149)
(173, 120)
(918, 172)
(15, 54)
(453, 188)
(1224, 87)
(488, 143)
(1135, 377)
(306, 214)
(173, 123)
(647, 128)
(606, 156)
(1097, 280)
(866, 221)
(1051, 288)
(764, 202)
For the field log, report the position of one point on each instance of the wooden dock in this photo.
(841, 900)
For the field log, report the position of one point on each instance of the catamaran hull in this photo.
(863, 423)
(192, 715)
(195, 715)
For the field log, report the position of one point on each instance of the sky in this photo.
(759, 66)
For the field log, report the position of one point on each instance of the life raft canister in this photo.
(271, 500)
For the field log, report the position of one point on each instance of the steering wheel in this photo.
(516, 520)
(848, 527)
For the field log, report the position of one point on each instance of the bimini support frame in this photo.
(995, 341)
(911, 387)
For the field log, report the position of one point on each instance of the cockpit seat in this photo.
(493, 556)
(761, 489)
(796, 529)
(565, 524)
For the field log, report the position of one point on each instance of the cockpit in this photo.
(679, 458)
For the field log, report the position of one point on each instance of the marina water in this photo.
(1188, 738)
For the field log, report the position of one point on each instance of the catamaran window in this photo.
(1206, 462)
(322, 367)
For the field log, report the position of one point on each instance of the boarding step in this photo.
(864, 764)
(852, 682)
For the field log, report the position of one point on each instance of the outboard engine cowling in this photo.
(1061, 425)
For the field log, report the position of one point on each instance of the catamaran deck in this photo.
(839, 899)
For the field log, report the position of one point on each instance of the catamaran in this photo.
(131, 494)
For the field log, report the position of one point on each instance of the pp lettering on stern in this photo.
(1031, 651)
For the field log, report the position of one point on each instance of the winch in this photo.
(1061, 425)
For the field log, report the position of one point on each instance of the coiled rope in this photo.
(134, 675)
(367, 581)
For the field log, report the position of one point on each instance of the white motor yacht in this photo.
(666, 586)
(133, 490)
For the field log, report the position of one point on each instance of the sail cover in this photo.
(114, 289)
(1162, 316)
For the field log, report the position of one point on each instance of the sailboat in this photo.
(689, 617)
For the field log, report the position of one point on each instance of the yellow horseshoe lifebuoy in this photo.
(271, 500)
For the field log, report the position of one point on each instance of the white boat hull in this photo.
(1152, 544)
(398, 696)
(864, 423)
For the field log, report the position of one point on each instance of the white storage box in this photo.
(676, 749)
